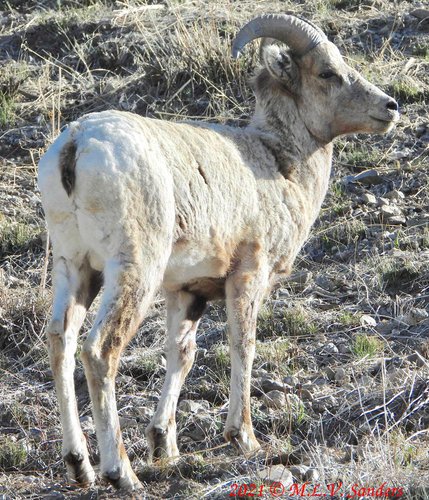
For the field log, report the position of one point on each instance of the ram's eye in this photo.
(327, 74)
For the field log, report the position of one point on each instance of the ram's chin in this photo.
(382, 126)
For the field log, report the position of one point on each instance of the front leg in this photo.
(244, 289)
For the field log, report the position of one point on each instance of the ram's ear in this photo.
(281, 66)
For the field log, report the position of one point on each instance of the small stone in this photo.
(24, 479)
(417, 315)
(325, 403)
(396, 220)
(395, 195)
(416, 358)
(341, 376)
(366, 320)
(329, 373)
(306, 395)
(299, 471)
(275, 399)
(270, 384)
(87, 424)
(319, 382)
(330, 348)
(422, 14)
(202, 426)
(291, 381)
(385, 327)
(383, 202)
(300, 277)
(326, 283)
(366, 177)
(127, 423)
(312, 475)
(399, 154)
(276, 474)
(190, 406)
(390, 210)
(37, 434)
(344, 349)
(369, 199)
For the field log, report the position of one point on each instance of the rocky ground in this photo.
(340, 383)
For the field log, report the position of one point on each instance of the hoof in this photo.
(125, 482)
(79, 469)
(243, 440)
(162, 443)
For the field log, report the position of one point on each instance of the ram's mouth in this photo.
(383, 120)
(386, 120)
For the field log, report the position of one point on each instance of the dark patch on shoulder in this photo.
(283, 161)
(196, 309)
(68, 166)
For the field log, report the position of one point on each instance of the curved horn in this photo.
(300, 35)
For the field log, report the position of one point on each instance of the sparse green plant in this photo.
(221, 368)
(280, 352)
(339, 202)
(356, 154)
(407, 90)
(13, 455)
(421, 50)
(396, 273)
(268, 323)
(7, 110)
(16, 236)
(297, 323)
(348, 319)
(366, 346)
(293, 415)
(19, 415)
(148, 363)
(343, 234)
(221, 356)
(404, 451)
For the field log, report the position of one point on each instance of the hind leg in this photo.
(75, 286)
(129, 289)
(184, 311)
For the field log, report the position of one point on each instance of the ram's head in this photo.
(331, 97)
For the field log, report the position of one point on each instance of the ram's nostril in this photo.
(392, 104)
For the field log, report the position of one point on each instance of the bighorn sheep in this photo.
(205, 211)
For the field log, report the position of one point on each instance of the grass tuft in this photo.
(366, 346)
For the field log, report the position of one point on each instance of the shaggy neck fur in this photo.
(301, 157)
